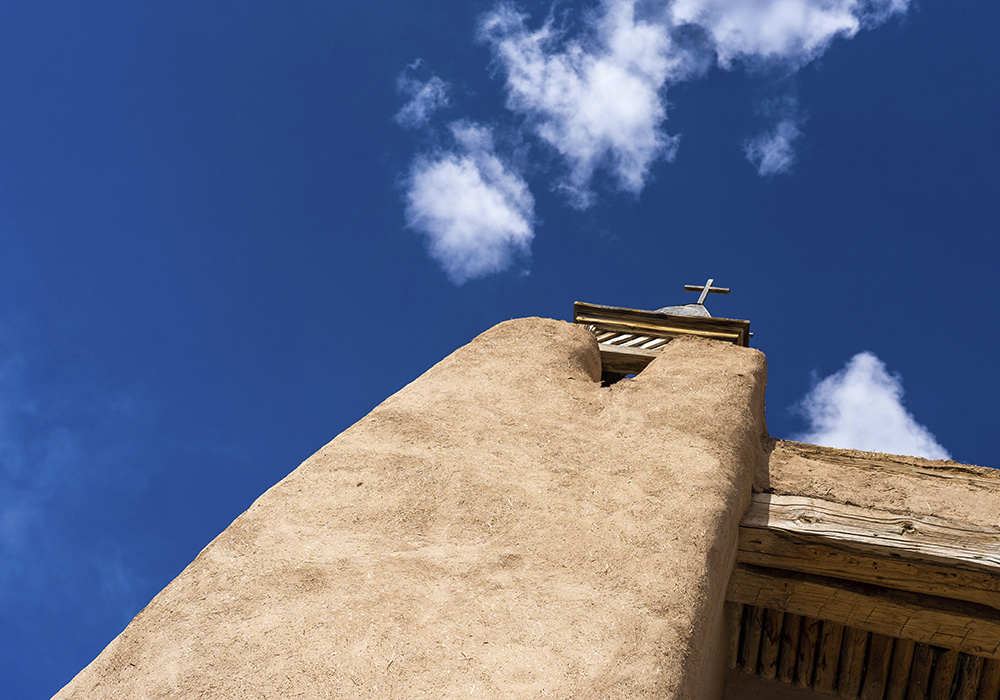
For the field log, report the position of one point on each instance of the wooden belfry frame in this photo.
(629, 339)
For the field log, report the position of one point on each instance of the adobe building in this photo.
(585, 510)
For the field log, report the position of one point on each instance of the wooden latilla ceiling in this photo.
(866, 603)
(629, 339)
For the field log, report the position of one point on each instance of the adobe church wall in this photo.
(902, 484)
(501, 527)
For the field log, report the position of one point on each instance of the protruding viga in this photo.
(503, 527)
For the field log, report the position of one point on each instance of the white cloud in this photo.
(793, 31)
(594, 99)
(476, 212)
(597, 98)
(772, 152)
(861, 407)
(426, 97)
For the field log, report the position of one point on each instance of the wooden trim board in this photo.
(917, 553)
(661, 324)
(966, 627)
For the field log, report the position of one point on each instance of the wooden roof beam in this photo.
(917, 553)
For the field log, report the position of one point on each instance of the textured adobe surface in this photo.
(501, 527)
(897, 483)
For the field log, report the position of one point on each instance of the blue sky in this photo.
(230, 229)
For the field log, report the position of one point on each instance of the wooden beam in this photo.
(770, 643)
(969, 672)
(899, 671)
(918, 553)
(664, 329)
(877, 667)
(852, 663)
(615, 358)
(828, 661)
(734, 620)
(653, 322)
(790, 633)
(805, 662)
(989, 683)
(753, 623)
(920, 672)
(945, 667)
(973, 629)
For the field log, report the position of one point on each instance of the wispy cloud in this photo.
(772, 152)
(425, 97)
(475, 210)
(861, 407)
(63, 448)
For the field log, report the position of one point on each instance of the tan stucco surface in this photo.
(501, 527)
(898, 483)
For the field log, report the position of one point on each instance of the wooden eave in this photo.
(629, 339)
(866, 603)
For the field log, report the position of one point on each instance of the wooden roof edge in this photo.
(952, 624)
(645, 313)
(919, 553)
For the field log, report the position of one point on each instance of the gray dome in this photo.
(685, 310)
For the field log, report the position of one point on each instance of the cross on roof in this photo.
(705, 290)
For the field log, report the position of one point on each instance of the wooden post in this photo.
(899, 671)
(877, 667)
(753, 622)
(920, 672)
(989, 682)
(734, 619)
(945, 666)
(970, 669)
(790, 634)
(805, 659)
(829, 656)
(770, 643)
(852, 663)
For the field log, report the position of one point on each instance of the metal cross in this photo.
(705, 290)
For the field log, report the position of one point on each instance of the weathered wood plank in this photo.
(666, 329)
(989, 682)
(877, 667)
(828, 659)
(626, 360)
(945, 667)
(791, 630)
(970, 669)
(753, 622)
(920, 673)
(852, 662)
(601, 315)
(923, 554)
(899, 670)
(770, 643)
(967, 627)
(805, 659)
(734, 620)
(637, 340)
